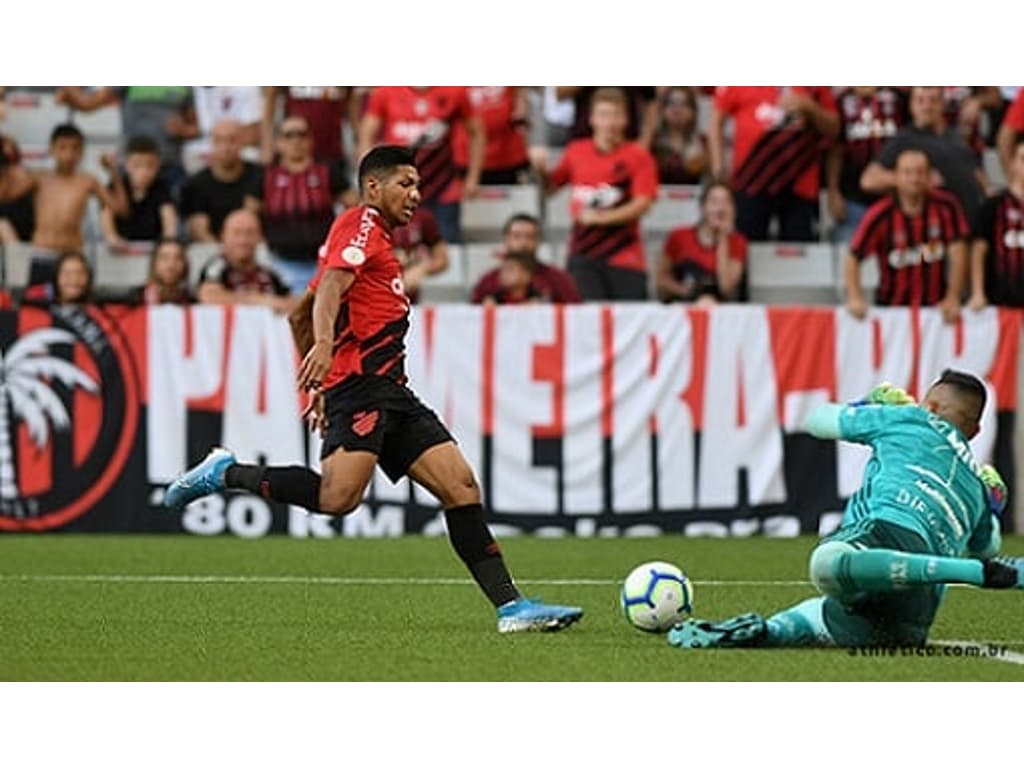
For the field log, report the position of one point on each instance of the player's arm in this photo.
(986, 539)
(832, 421)
(300, 320)
(326, 303)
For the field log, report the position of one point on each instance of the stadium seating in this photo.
(484, 216)
(31, 115)
(792, 273)
(16, 259)
(122, 270)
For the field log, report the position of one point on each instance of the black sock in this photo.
(291, 485)
(473, 542)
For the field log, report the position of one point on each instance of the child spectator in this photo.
(168, 276)
(150, 215)
(705, 263)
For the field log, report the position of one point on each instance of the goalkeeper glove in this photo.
(995, 489)
(887, 394)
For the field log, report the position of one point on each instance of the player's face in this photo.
(522, 236)
(608, 119)
(944, 401)
(67, 153)
(142, 169)
(397, 195)
(241, 236)
(72, 281)
(912, 173)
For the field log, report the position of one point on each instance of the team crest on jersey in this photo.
(353, 255)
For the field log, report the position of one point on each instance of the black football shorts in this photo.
(379, 415)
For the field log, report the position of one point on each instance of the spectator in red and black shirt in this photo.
(915, 234)
(420, 250)
(422, 118)
(954, 166)
(503, 111)
(1011, 128)
(299, 196)
(522, 234)
(781, 134)
(868, 115)
(614, 183)
(235, 277)
(325, 109)
(705, 263)
(641, 108)
(997, 248)
(515, 280)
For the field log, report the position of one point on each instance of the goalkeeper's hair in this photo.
(965, 384)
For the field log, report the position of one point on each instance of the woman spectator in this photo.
(678, 148)
(705, 263)
(71, 284)
(168, 276)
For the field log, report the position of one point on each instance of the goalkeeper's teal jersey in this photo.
(922, 475)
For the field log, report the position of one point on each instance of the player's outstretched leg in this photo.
(838, 568)
(443, 471)
(220, 471)
(801, 625)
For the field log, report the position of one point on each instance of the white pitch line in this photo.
(118, 578)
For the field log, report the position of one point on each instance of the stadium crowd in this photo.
(256, 175)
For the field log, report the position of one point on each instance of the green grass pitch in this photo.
(90, 608)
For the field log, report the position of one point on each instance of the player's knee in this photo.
(822, 566)
(462, 489)
(341, 501)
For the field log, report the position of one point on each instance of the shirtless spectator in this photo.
(165, 113)
(229, 183)
(16, 185)
(235, 277)
(60, 199)
(150, 215)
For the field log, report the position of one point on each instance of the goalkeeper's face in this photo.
(961, 410)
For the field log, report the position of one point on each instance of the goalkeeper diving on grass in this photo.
(926, 515)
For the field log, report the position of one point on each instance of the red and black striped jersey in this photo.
(423, 119)
(373, 316)
(323, 108)
(866, 122)
(1000, 225)
(607, 180)
(911, 250)
(774, 152)
(298, 208)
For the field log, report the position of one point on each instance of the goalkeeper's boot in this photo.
(525, 615)
(1004, 573)
(204, 478)
(745, 631)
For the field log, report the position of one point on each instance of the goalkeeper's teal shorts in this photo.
(899, 618)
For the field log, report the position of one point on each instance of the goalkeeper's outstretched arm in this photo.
(823, 422)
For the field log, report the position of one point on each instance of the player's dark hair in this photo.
(66, 131)
(520, 217)
(382, 161)
(142, 145)
(965, 384)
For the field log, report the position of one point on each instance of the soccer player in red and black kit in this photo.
(997, 246)
(354, 366)
(912, 233)
(614, 183)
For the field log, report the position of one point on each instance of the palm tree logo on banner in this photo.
(27, 371)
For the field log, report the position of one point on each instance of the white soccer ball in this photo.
(655, 596)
